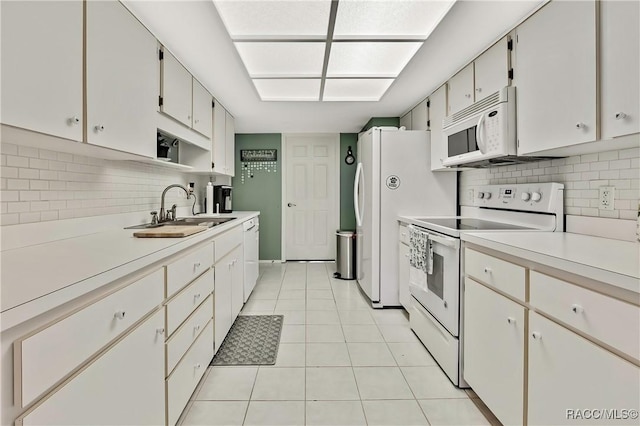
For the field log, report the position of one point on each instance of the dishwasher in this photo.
(251, 243)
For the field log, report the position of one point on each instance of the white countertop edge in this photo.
(612, 278)
(23, 312)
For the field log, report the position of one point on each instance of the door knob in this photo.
(291, 205)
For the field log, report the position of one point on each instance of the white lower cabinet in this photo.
(568, 373)
(184, 379)
(403, 276)
(229, 294)
(237, 281)
(494, 350)
(123, 386)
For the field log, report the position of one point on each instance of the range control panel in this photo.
(530, 197)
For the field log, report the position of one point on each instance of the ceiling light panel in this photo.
(288, 89)
(374, 19)
(291, 19)
(282, 59)
(370, 59)
(353, 89)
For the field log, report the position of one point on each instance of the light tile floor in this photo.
(340, 362)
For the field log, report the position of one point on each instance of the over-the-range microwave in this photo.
(484, 133)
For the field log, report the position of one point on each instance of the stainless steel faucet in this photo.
(171, 215)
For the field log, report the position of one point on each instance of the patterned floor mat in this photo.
(252, 340)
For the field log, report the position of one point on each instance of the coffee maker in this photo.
(222, 199)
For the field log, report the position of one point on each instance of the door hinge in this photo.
(159, 100)
(510, 74)
(213, 104)
(428, 104)
(510, 44)
(518, 144)
(213, 165)
(160, 55)
(428, 123)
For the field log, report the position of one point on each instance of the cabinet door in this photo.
(237, 284)
(494, 351)
(405, 121)
(620, 44)
(42, 66)
(122, 80)
(492, 70)
(202, 109)
(218, 151)
(437, 112)
(555, 75)
(460, 94)
(230, 140)
(124, 386)
(403, 276)
(420, 116)
(568, 372)
(222, 299)
(176, 89)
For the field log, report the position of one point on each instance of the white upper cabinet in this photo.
(492, 70)
(230, 143)
(218, 157)
(176, 89)
(42, 67)
(420, 116)
(620, 44)
(437, 112)
(122, 80)
(202, 117)
(555, 76)
(461, 90)
(405, 121)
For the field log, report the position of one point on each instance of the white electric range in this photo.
(436, 311)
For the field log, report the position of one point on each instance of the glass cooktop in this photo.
(467, 224)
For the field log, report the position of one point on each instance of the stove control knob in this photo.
(536, 196)
(487, 195)
(480, 195)
(526, 196)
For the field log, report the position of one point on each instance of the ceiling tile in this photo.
(288, 89)
(355, 89)
(275, 19)
(370, 59)
(367, 19)
(282, 59)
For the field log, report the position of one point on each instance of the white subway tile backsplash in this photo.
(30, 217)
(9, 149)
(582, 175)
(18, 207)
(14, 161)
(29, 196)
(28, 174)
(27, 151)
(50, 215)
(13, 184)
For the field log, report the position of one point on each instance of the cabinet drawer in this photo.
(185, 378)
(121, 387)
(187, 333)
(227, 241)
(185, 302)
(185, 269)
(69, 342)
(502, 275)
(403, 234)
(611, 321)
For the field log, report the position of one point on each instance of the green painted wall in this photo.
(381, 121)
(263, 192)
(347, 175)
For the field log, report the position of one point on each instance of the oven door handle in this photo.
(445, 241)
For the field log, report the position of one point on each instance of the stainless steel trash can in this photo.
(346, 255)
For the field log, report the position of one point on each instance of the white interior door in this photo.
(311, 196)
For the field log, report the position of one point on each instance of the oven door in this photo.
(441, 294)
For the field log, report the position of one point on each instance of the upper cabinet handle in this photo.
(620, 115)
(99, 128)
(73, 120)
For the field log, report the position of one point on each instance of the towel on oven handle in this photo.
(420, 257)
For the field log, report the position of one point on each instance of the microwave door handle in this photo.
(479, 137)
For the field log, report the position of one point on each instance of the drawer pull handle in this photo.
(197, 366)
(196, 265)
(196, 328)
(196, 296)
(511, 320)
(577, 309)
(487, 270)
(536, 335)
(119, 315)
(160, 331)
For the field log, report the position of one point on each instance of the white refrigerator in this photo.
(393, 177)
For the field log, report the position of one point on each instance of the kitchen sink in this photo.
(208, 222)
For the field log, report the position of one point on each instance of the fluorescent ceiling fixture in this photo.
(370, 59)
(275, 19)
(352, 89)
(282, 59)
(410, 19)
(288, 89)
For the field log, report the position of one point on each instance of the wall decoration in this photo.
(349, 159)
(256, 161)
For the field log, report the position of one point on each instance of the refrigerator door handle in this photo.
(356, 194)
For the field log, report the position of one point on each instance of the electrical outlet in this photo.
(607, 197)
(470, 195)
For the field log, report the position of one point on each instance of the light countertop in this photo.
(613, 262)
(48, 274)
